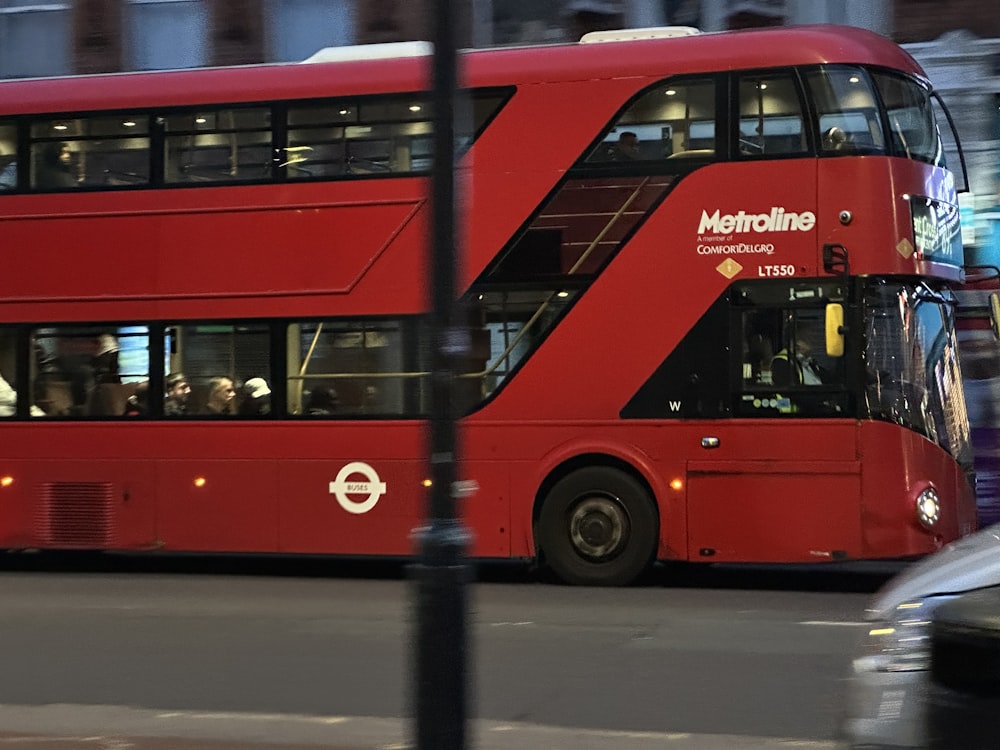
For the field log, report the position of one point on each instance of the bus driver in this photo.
(801, 369)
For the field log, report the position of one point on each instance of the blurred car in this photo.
(889, 676)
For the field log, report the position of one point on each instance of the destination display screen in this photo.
(937, 231)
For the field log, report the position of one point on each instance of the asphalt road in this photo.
(304, 652)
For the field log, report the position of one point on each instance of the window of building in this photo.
(300, 28)
(166, 34)
(34, 39)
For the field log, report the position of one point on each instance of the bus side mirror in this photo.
(835, 330)
(995, 314)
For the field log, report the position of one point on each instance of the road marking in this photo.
(248, 716)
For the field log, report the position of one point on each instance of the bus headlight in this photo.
(928, 508)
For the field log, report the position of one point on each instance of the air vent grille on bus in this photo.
(76, 515)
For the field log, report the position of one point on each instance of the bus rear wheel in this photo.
(598, 527)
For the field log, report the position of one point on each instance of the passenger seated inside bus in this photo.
(137, 404)
(54, 397)
(106, 360)
(8, 174)
(322, 400)
(255, 399)
(53, 168)
(178, 392)
(8, 401)
(835, 139)
(221, 395)
(107, 399)
(626, 149)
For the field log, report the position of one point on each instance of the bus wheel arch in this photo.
(596, 522)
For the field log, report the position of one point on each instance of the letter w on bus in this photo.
(674, 405)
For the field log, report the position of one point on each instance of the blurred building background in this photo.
(957, 41)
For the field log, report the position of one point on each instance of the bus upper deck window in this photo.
(848, 110)
(770, 116)
(672, 118)
(91, 151)
(913, 128)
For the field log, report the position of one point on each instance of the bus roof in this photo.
(407, 69)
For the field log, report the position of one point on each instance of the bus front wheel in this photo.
(598, 527)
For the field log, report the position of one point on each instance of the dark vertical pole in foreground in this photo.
(440, 574)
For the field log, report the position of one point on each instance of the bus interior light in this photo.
(928, 508)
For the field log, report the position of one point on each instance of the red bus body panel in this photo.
(269, 490)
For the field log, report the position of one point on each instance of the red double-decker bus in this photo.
(707, 279)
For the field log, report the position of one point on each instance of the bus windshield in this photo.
(911, 364)
(912, 127)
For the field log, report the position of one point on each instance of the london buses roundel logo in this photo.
(347, 485)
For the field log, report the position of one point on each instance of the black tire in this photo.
(598, 527)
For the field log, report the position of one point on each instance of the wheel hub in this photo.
(598, 527)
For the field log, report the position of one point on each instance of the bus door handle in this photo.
(710, 442)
